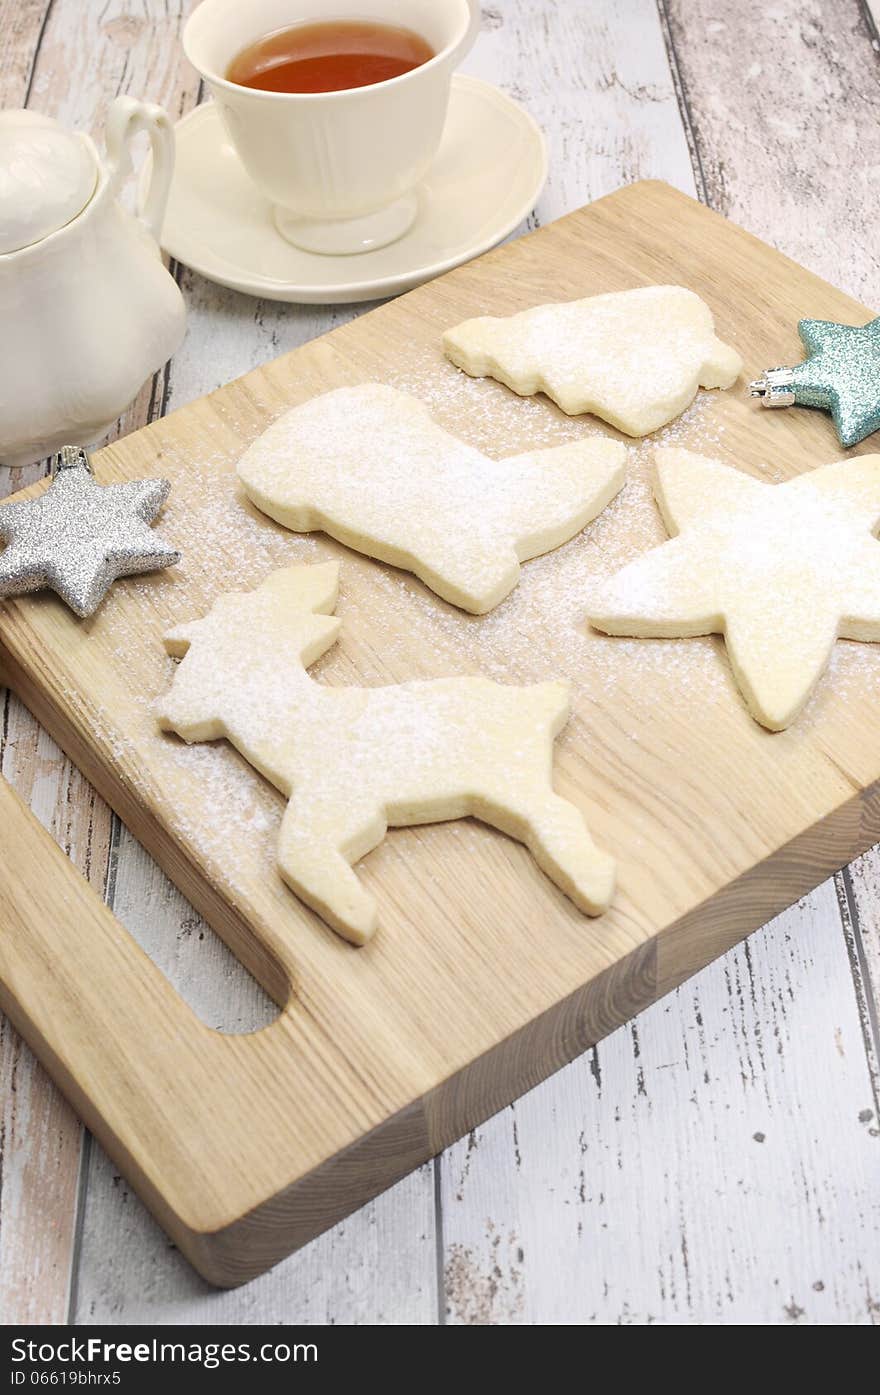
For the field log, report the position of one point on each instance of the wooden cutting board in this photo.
(483, 977)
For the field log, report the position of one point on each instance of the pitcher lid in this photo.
(47, 176)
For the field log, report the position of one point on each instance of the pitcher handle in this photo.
(126, 119)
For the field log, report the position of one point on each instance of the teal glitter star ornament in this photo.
(841, 374)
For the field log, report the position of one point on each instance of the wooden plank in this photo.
(815, 66)
(127, 1277)
(126, 1273)
(596, 79)
(127, 1270)
(238, 319)
(230, 334)
(227, 335)
(859, 897)
(39, 1152)
(705, 894)
(673, 1176)
(377, 1267)
(21, 27)
(499, 1185)
(785, 112)
(40, 1139)
(615, 131)
(65, 59)
(90, 53)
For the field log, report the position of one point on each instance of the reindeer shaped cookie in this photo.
(354, 760)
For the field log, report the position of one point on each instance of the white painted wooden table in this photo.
(718, 1159)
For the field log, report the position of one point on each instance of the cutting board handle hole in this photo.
(200, 968)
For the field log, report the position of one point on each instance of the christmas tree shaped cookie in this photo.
(635, 358)
(354, 760)
(370, 467)
(780, 570)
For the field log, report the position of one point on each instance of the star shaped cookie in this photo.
(780, 570)
(79, 536)
(842, 375)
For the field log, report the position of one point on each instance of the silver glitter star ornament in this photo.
(841, 374)
(79, 536)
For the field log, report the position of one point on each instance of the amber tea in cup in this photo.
(331, 56)
(336, 141)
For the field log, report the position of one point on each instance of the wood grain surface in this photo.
(612, 100)
(382, 1056)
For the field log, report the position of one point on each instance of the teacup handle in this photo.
(472, 31)
(126, 119)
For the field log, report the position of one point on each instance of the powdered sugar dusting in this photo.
(634, 357)
(373, 466)
(783, 568)
(347, 756)
(542, 627)
(394, 629)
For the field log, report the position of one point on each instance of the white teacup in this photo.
(340, 168)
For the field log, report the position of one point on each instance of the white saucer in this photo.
(488, 173)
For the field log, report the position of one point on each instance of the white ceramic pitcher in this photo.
(87, 309)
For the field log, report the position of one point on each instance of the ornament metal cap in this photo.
(71, 458)
(840, 375)
(775, 387)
